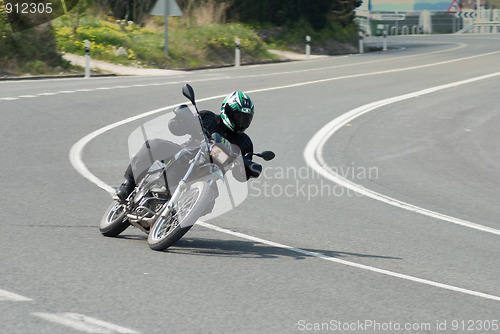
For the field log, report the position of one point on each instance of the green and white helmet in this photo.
(237, 111)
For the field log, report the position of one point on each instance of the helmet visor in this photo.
(241, 120)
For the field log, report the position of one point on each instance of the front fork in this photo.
(180, 187)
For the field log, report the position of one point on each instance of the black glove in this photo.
(252, 168)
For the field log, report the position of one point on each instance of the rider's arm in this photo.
(252, 169)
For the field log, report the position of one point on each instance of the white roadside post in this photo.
(237, 53)
(87, 58)
(361, 43)
(308, 46)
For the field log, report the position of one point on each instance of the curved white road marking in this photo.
(313, 154)
(350, 264)
(77, 162)
(75, 154)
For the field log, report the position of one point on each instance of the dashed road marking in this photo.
(14, 297)
(83, 323)
(461, 45)
(74, 320)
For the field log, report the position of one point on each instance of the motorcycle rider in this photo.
(235, 117)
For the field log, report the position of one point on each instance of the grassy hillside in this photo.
(189, 45)
(195, 40)
(38, 51)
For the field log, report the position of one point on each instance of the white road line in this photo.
(10, 296)
(313, 154)
(282, 73)
(75, 154)
(350, 264)
(83, 323)
(76, 160)
(9, 98)
(13, 82)
(460, 46)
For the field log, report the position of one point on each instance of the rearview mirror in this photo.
(267, 155)
(188, 92)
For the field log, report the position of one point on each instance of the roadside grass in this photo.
(190, 45)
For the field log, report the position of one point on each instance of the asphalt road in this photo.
(417, 253)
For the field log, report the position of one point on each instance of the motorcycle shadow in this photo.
(250, 249)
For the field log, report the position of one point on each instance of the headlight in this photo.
(218, 154)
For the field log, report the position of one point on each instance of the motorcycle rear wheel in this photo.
(114, 220)
(190, 206)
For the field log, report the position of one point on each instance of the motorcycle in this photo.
(171, 196)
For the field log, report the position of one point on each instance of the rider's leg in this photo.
(155, 149)
(127, 186)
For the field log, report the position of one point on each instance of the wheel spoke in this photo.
(182, 209)
(187, 203)
(115, 213)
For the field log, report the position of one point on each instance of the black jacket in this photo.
(213, 123)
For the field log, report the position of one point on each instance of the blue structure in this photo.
(405, 5)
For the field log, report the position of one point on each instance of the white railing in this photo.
(482, 21)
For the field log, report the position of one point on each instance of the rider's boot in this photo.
(125, 189)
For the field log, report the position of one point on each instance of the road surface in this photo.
(379, 213)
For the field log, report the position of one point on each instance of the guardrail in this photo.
(467, 20)
(482, 21)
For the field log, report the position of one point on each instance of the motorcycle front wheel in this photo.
(189, 207)
(114, 220)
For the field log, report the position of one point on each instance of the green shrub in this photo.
(18, 50)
